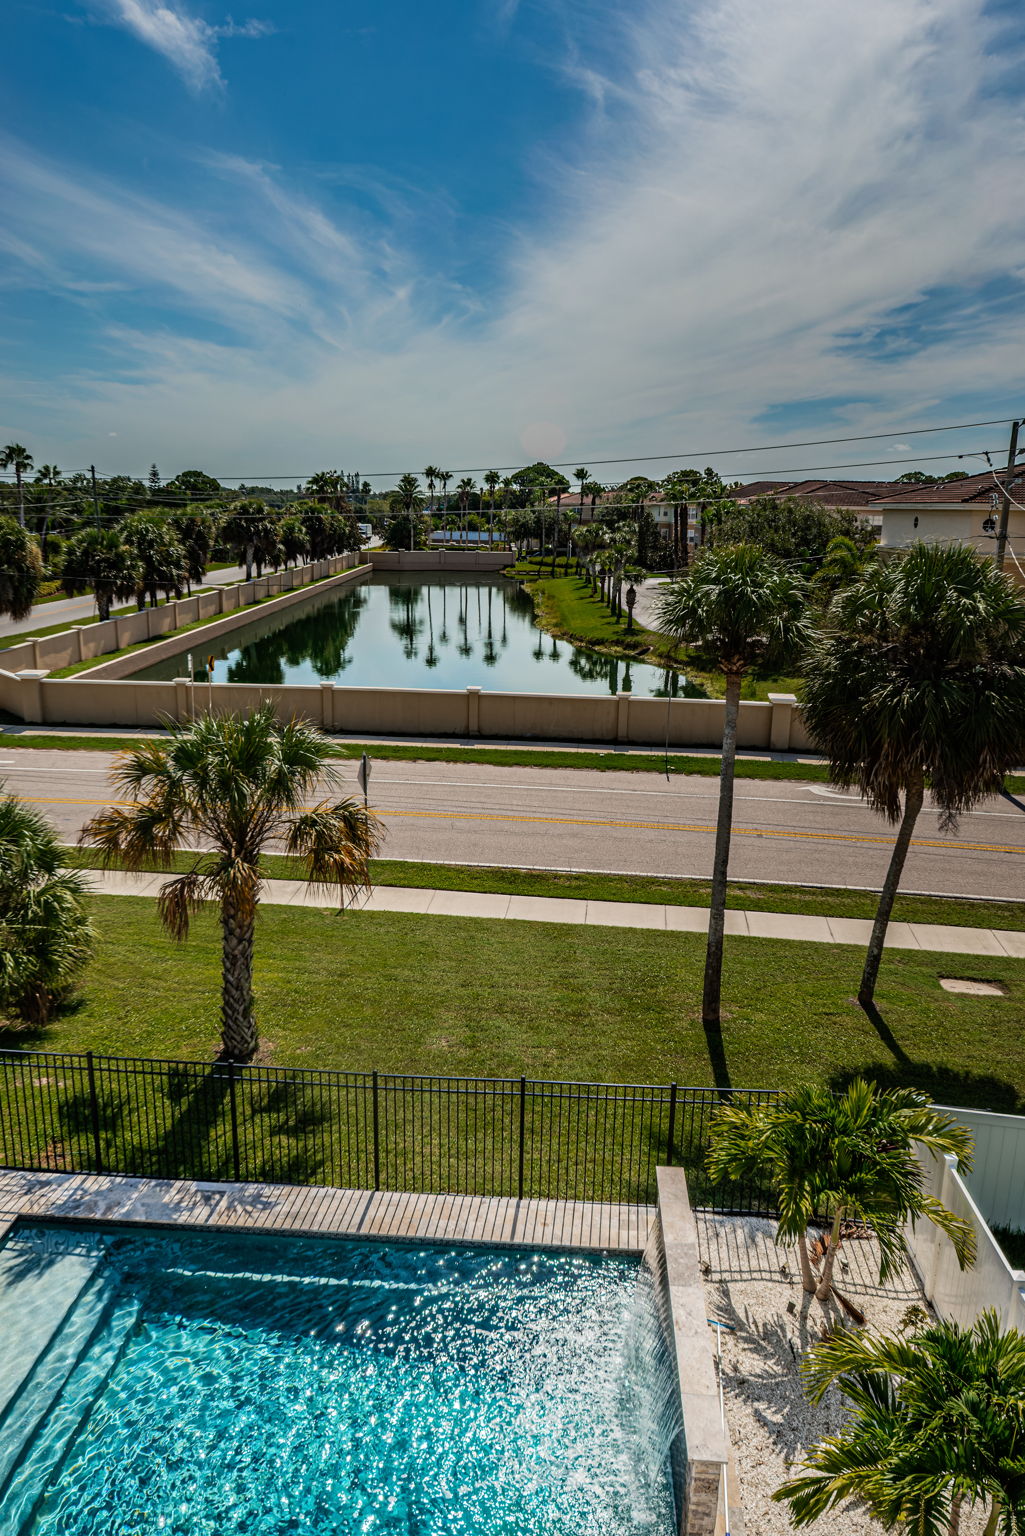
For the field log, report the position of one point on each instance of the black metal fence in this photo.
(81, 1113)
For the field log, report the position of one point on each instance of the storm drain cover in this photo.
(972, 988)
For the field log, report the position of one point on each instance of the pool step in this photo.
(39, 1291)
(52, 1437)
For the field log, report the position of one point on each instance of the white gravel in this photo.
(755, 1286)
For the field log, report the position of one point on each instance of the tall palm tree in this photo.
(464, 490)
(492, 480)
(431, 474)
(936, 1424)
(851, 1153)
(918, 676)
(744, 607)
(15, 457)
(100, 560)
(45, 934)
(50, 476)
(232, 785)
(583, 478)
(444, 476)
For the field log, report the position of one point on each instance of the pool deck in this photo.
(319, 1211)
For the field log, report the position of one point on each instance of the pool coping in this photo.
(322, 1211)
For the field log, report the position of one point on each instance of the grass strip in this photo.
(809, 901)
(706, 767)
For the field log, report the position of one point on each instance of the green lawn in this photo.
(813, 900)
(464, 996)
(565, 606)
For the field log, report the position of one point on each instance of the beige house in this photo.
(964, 510)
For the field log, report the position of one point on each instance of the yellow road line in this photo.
(949, 844)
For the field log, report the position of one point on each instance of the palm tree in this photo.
(232, 785)
(583, 478)
(21, 569)
(101, 561)
(443, 477)
(464, 490)
(852, 1153)
(744, 607)
(15, 457)
(295, 544)
(50, 476)
(163, 562)
(45, 934)
(431, 474)
(241, 528)
(196, 532)
(492, 479)
(936, 1423)
(919, 675)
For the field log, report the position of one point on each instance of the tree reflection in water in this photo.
(402, 637)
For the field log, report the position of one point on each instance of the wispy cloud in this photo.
(186, 41)
(705, 258)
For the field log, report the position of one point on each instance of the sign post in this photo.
(363, 776)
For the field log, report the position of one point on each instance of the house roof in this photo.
(980, 489)
(829, 493)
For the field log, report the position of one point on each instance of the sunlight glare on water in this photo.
(314, 1388)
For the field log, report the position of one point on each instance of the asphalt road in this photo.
(627, 822)
(72, 610)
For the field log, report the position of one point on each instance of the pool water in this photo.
(398, 629)
(211, 1385)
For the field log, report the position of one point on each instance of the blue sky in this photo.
(309, 235)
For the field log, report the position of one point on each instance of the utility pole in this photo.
(96, 503)
(1005, 508)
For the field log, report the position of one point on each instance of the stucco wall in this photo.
(905, 525)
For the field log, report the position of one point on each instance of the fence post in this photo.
(236, 1165)
(672, 1121)
(377, 1138)
(94, 1111)
(523, 1126)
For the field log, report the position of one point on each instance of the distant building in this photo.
(966, 511)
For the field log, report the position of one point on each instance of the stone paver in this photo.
(340, 1212)
(938, 938)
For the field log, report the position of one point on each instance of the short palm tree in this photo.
(231, 785)
(743, 607)
(101, 561)
(15, 457)
(21, 569)
(918, 676)
(492, 480)
(45, 934)
(937, 1423)
(851, 1153)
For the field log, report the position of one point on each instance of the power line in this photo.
(640, 458)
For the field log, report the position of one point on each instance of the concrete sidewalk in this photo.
(935, 937)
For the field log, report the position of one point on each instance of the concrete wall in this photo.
(439, 559)
(960, 1295)
(278, 592)
(418, 712)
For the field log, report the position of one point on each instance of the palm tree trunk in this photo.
(712, 996)
(239, 1039)
(824, 1288)
(807, 1278)
(21, 497)
(994, 1518)
(912, 806)
(954, 1524)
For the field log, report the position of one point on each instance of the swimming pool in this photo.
(200, 1384)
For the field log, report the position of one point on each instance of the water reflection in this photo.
(407, 630)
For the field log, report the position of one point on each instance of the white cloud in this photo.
(762, 184)
(188, 42)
